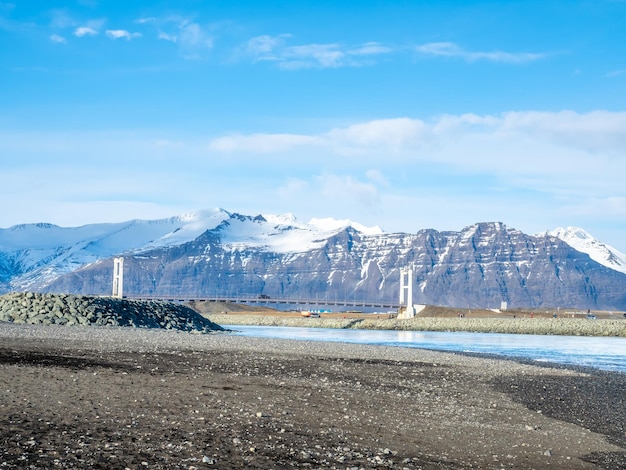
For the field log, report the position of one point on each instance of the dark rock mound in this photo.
(66, 309)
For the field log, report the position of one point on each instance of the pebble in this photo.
(123, 339)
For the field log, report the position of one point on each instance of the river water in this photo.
(590, 351)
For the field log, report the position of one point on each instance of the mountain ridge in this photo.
(216, 251)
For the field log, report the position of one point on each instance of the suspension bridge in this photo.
(266, 300)
(406, 292)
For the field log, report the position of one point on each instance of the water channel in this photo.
(605, 353)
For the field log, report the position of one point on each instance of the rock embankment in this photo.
(67, 309)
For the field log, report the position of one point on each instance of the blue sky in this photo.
(402, 114)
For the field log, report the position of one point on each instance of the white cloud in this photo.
(85, 31)
(337, 194)
(392, 134)
(450, 49)
(312, 55)
(331, 55)
(167, 37)
(600, 132)
(346, 187)
(61, 19)
(193, 40)
(121, 33)
(90, 28)
(293, 188)
(530, 169)
(562, 153)
(58, 39)
(260, 46)
(377, 177)
(616, 73)
(261, 143)
(370, 48)
(146, 20)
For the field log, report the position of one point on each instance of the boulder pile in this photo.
(67, 309)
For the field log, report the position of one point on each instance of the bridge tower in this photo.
(406, 292)
(118, 277)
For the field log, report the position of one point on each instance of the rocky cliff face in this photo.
(480, 266)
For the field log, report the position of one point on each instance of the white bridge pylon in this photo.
(407, 310)
(118, 277)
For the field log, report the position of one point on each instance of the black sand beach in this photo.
(98, 397)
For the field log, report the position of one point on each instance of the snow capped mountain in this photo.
(34, 254)
(283, 233)
(181, 229)
(214, 251)
(582, 241)
(279, 233)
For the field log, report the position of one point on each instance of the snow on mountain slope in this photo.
(184, 228)
(36, 253)
(285, 233)
(333, 225)
(582, 241)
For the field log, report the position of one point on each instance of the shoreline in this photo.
(550, 359)
(536, 326)
(114, 397)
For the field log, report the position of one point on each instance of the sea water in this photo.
(605, 353)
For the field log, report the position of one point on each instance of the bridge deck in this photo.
(271, 300)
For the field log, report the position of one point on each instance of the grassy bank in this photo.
(536, 326)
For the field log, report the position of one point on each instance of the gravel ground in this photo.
(99, 397)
